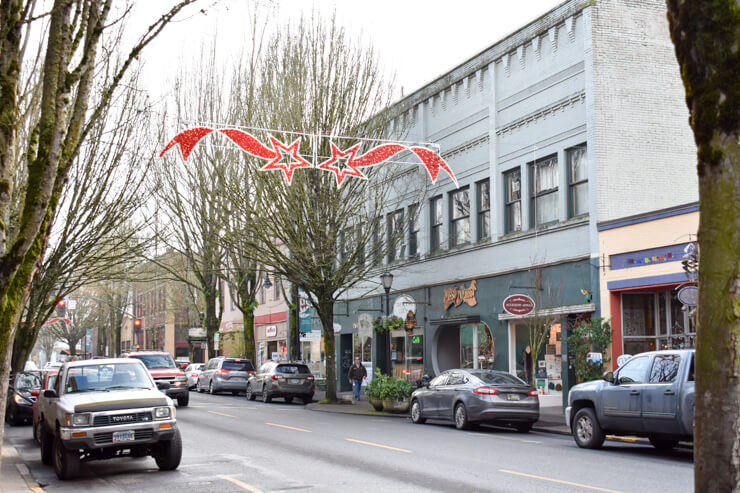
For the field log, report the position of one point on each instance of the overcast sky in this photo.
(418, 40)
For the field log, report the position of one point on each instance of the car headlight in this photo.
(162, 412)
(77, 419)
(182, 378)
(18, 399)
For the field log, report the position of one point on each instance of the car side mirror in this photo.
(35, 392)
(425, 381)
(50, 394)
(163, 385)
(609, 376)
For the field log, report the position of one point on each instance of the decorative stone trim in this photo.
(552, 33)
(483, 139)
(571, 100)
(520, 54)
(536, 47)
(569, 27)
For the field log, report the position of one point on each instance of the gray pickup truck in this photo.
(651, 395)
(105, 408)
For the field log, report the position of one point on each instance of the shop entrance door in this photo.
(344, 351)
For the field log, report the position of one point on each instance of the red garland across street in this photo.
(277, 155)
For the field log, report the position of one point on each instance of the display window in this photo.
(655, 320)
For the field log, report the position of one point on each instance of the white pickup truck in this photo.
(105, 408)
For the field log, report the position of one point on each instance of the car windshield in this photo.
(156, 360)
(292, 369)
(51, 381)
(234, 365)
(497, 378)
(106, 377)
(27, 381)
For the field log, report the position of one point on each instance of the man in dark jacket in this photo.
(357, 373)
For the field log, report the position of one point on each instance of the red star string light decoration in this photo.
(432, 161)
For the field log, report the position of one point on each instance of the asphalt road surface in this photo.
(233, 445)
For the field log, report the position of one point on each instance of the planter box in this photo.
(376, 402)
(396, 405)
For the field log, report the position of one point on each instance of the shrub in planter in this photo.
(395, 393)
(374, 390)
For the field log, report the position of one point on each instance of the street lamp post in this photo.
(387, 280)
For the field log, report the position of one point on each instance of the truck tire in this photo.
(183, 400)
(586, 429)
(169, 453)
(66, 462)
(47, 446)
(662, 443)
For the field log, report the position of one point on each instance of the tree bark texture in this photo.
(326, 314)
(706, 35)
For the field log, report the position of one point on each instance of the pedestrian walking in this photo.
(357, 373)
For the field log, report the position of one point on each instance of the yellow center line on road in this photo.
(505, 438)
(379, 445)
(222, 414)
(288, 427)
(559, 481)
(242, 484)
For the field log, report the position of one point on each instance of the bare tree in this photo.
(706, 36)
(71, 70)
(71, 330)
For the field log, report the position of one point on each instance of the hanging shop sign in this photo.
(197, 333)
(519, 304)
(304, 312)
(409, 322)
(688, 295)
(403, 305)
(459, 295)
(287, 158)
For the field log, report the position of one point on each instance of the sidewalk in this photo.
(551, 417)
(15, 475)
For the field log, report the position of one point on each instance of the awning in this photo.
(560, 310)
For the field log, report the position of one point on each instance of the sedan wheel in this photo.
(461, 417)
(250, 394)
(210, 388)
(199, 387)
(416, 413)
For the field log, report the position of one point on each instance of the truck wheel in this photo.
(66, 462)
(47, 446)
(662, 443)
(586, 429)
(183, 400)
(169, 453)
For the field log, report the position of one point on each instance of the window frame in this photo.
(454, 222)
(413, 221)
(534, 195)
(483, 215)
(572, 185)
(435, 229)
(394, 220)
(509, 203)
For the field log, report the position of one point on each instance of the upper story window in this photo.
(437, 218)
(276, 294)
(460, 217)
(395, 236)
(414, 230)
(577, 181)
(484, 209)
(513, 200)
(545, 191)
(360, 245)
(376, 256)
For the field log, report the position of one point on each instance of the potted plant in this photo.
(374, 390)
(396, 392)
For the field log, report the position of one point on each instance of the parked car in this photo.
(169, 378)
(651, 395)
(469, 397)
(182, 362)
(19, 408)
(105, 408)
(287, 380)
(49, 379)
(193, 372)
(225, 374)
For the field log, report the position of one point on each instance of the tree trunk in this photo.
(326, 314)
(249, 336)
(295, 343)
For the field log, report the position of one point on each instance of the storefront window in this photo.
(653, 321)
(362, 347)
(476, 346)
(407, 354)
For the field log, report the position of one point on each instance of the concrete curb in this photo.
(13, 465)
(358, 412)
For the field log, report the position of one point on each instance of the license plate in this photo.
(123, 436)
(294, 380)
(513, 397)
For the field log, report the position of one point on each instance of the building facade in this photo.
(574, 120)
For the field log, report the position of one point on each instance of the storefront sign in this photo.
(313, 336)
(337, 328)
(403, 305)
(519, 304)
(459, 294)
(410, 322)
(271, 331)
(688, 295)
(304, 312)
(197, 333)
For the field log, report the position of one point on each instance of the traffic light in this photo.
(137, 323)
(61, 307)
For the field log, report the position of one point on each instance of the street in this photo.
(231, 444)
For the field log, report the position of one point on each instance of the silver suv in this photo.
(105, 408)
(286, 380)
(225, 374)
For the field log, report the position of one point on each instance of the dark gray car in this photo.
(469, 397)
(224, 374)
(286, 380)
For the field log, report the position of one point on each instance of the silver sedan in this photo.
(469, 397)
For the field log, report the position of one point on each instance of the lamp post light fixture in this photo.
(386, 280)
(267, 284)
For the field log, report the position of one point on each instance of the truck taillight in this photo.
(485, 391)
